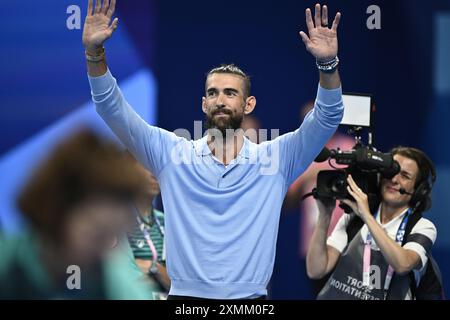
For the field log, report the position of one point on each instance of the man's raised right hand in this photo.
(97, 26)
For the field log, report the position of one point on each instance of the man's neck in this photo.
(388, 213)
(226, 149)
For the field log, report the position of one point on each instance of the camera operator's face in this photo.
(406, 179)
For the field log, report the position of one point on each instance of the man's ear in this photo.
(250, 104)
(204, 108)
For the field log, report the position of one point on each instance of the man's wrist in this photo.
(95, 57)
(329, 66)
(95, 51)
(329, 81)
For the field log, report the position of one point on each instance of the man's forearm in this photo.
(330, 80)
(96, 68)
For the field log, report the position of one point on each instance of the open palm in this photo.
(97, 26)
(322, 41)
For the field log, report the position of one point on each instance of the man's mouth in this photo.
(221, 113)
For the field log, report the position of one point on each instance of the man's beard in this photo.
(231, 122)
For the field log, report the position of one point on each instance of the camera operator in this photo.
(377, 262)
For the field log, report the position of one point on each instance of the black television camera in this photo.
(365, 163)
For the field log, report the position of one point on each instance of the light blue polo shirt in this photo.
(221, 222)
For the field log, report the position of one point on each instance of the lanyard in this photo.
(144, 229)
(367, 253)
(152, 247)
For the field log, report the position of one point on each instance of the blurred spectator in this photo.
(77, 204)
(147, 237)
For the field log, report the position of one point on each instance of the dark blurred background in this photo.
(162, 50)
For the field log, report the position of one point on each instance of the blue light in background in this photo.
(438, 130)
(16, 165)
(45, 88)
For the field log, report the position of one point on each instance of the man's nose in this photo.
(220, 99)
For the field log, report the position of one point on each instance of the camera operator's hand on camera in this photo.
(361, 204)
(97, 26)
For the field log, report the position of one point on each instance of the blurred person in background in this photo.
(77, 205)
(147, 235)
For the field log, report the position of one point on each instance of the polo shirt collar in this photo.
(202, 149)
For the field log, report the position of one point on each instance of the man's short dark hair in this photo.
(233, 69)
